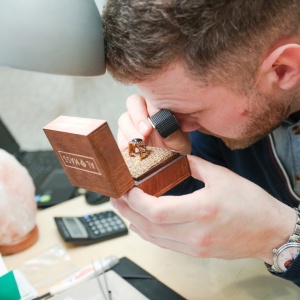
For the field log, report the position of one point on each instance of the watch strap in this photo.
(295, 237)
(294, 240)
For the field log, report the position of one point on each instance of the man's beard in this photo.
(266, 114)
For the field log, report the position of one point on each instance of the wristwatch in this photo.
(286, 254)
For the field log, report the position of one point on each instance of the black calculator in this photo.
(89, 229)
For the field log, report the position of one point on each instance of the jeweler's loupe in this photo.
(164, 122)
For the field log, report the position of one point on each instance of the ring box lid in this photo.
(89, 155)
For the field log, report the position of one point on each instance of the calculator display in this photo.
(75, 227)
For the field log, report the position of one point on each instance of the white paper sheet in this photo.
(95, 288)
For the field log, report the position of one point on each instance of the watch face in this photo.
(287, 255)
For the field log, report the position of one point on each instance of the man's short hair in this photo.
(216, 40)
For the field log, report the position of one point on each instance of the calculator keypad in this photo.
(103, 223)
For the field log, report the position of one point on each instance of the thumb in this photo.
(179, 141)
(202, 169)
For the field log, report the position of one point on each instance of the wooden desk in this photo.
(191, 277)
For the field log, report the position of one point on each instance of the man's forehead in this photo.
(173, 79)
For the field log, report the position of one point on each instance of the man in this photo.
(230, 73)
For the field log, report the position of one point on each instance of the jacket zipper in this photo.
(283, 170)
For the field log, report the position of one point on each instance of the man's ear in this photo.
(281, 67)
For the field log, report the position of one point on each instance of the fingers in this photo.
(171, 244)
(186, 208)
(164, 209)
(178, 237)
(122, 140)
(134, 122)
(179, 141)
(174, 209)
(137, 109)
(203, 170)
(127, 131)
(151, 228)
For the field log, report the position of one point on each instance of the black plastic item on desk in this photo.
(144, 282)
(95, 198)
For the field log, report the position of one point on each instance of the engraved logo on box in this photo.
(80, 162)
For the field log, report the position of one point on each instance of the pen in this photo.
(90, 271)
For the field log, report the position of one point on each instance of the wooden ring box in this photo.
(92, 160)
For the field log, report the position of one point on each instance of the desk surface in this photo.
(191, 277)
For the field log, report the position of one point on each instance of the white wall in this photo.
(28, 101)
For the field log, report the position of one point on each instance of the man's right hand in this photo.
(135, 124)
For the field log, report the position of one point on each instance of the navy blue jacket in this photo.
(257, 163)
